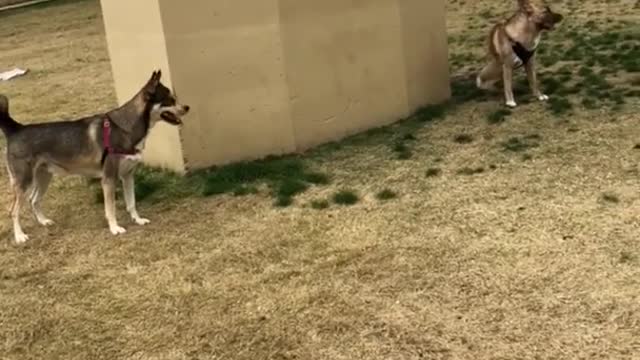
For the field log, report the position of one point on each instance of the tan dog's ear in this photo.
(526, 6)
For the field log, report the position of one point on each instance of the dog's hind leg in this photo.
(18, 197)
(22, 175)
(42, 180)
(489, 75)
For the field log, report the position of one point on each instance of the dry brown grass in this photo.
(527, 260)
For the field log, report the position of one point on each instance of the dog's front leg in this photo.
(130, 198)
(507, 74)
(533, 80)
(109, 192)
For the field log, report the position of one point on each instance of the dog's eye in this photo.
(169, 101)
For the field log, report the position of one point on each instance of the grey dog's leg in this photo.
(109, 192)
(21, 175)
(128, 188)
(42, 181)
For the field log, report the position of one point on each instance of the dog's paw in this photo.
(511, 104)
(117, 230)
(21, 238)
(141, 221)
(46, 222)
(543, 97)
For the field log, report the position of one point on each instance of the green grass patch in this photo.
(283, 201)
(559, 106)
(345, 197)
(319, 204)
(286, 177)
(498, 116)
(468, 171)
(610, 198)
(463, 139)
(433, 172)
(627, 257)
(386, 194)
(521, 144)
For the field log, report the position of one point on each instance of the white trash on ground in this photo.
(8, 75)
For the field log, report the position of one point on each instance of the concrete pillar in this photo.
(277, 76)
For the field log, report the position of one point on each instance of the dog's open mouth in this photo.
(171, 118)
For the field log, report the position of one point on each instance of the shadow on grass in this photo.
(284, 177)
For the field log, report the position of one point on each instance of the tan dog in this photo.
(513, 43)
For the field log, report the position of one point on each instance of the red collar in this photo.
(106, 141)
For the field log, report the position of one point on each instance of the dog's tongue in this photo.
(170, 117)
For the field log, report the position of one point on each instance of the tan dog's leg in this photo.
(533, 80)
(109, 192)
(507, 73)
(128, 187)
(489, 75)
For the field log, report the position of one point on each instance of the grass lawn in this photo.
(467, 231)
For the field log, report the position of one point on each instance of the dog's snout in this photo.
(186, 108)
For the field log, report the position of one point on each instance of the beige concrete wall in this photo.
(276, 76)
(227, 63)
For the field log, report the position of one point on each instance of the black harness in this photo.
(521, 52)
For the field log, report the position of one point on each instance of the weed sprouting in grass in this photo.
(290, 188)
(498, 116)
(433, 172)
(319, 204)
(386, 194)
(431, 112)
(589, 103)
(468, 171)
(402, 150)
(345, 197)
(283, 201)
(408, 137)
(463, 139)
(610, 197)
(551, 85)
(559, 106)
(520, 144)
(627, 257)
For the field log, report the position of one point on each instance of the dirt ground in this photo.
(534, 254)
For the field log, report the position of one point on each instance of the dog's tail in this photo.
(7, 124)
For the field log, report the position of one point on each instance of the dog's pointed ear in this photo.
(4, 105)
(155, 77)
(525, 5)
(152, 83)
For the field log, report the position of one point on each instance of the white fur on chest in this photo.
(536, 42)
